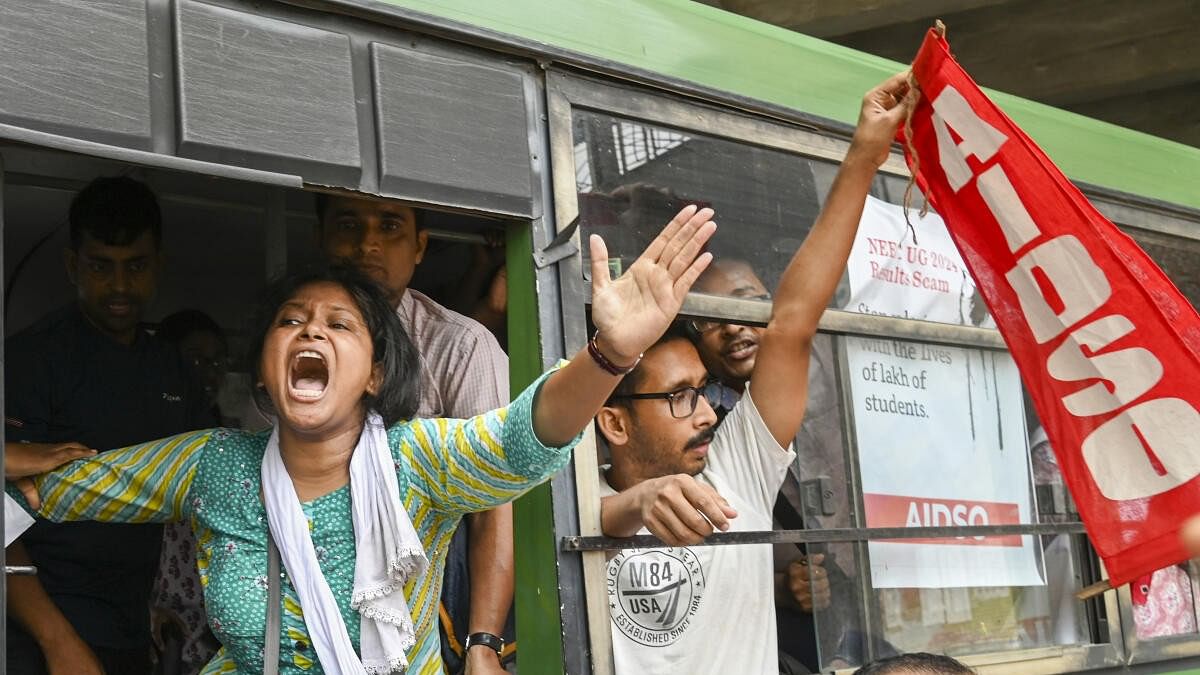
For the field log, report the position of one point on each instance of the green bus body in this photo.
(687, 41)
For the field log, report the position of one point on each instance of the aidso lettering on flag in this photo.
(1107, 346)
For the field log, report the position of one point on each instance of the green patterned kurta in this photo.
(213, 479)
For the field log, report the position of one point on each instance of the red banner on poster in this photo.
(1107, 346)
(902, 511)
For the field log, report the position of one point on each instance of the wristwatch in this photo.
(488, 640)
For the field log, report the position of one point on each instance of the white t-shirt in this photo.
(707, 609)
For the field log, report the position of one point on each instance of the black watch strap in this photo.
(488, 640)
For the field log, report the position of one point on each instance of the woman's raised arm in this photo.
(476, 464)
(630, 313)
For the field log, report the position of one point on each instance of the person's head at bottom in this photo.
(915, 663)
(328, 348)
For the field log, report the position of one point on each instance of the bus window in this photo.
(1166, 603)
(221, 241)
(631, 177)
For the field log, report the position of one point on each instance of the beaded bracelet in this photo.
(606, 365)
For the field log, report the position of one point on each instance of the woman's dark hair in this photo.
(400, 392)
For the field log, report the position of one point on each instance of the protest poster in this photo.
(941, 442)
(894, 273)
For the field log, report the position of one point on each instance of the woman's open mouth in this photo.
(309, 375)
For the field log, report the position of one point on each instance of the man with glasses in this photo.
(677, 475)
(803, 576)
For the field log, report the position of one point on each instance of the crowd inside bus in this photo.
(311, 521)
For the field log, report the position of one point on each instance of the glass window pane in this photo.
(973, 620)
(1164, 603)
(943, 439)
(907, 266)
(942, 442)
(632, 177)
(952, 620)
(816, 495)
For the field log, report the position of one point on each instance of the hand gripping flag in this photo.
(1107, 346)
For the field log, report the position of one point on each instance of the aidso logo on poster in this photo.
(653, 595)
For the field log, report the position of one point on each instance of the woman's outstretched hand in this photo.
(635, 309)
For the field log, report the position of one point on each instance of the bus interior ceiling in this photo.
(215, 234)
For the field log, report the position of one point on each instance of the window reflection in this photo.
(816, 495)
(974, 620)
(932, 402)
(632, 177)
(1164, 603)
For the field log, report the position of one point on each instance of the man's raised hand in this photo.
(809, 582)
(634, 310)
(883, 111)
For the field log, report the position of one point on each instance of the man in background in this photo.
(89, 373)
(463, 373)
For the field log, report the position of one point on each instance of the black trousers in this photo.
(25, 657)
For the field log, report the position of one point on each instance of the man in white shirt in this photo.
(675, 474)
(463, 373)
(804, 580)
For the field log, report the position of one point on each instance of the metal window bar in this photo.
(840, 534)
(636, 143)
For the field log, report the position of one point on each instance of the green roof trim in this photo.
(714, 48)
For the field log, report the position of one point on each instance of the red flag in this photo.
(1108, 347)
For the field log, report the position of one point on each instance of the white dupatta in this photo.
(388, 553)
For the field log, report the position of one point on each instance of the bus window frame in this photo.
(3, 432)
(570, 92)
(1153, 649)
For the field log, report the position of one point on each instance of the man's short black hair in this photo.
(913, 663)
(186, 322)
(322, 203)
(115, 210)
(400, 392)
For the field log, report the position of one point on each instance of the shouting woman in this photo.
(354, 498)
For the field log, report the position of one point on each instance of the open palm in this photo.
(634, 310)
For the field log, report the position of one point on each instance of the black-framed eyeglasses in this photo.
(682, 401)
(705, 325)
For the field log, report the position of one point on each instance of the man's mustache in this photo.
(701, 438)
